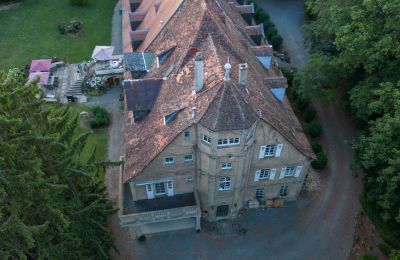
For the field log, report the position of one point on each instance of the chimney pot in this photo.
(243, 73)
(198, 72)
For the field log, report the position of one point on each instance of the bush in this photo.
(301, 103)
(142, 238)
(321, 161)
(385, 248)
(316, 147)
(78, 2)
(61, 28)
(276, 41)
(314, 129)
(261, 16)
(309, 114)
(367, 256)
(101, 117)
(271, 31)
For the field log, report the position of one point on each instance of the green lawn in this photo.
(98, 138)
(29, 31)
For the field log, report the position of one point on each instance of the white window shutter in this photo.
(298, 171)
(262, 151)
(278, 150)
(283, 171)
(257, 175)
(150, 191)
(272, 174)
(170, 188)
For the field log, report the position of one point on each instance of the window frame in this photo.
(225, 183)
(292, 171)
(283, 190)
(186, 135)
(271, 148)
(188, 160)
(265, 174)
(164, 187)
(228, 166)
(225, 142)
(258, 191)
(169, 163)
(206, 139)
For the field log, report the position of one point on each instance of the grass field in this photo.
(98, 138)
(29, 31)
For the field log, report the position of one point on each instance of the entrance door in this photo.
(150, 191)
(170, 188)
(222, 211)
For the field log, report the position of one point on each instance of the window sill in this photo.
(227, 146)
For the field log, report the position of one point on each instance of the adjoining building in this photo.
(208, 128)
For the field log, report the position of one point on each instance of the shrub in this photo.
(101, 117)
(314, 129)
(368, 256)
(321, 161)
(61, 28)
(142, 238)
(309, 114)
(316, 147)
(271, 31)
(276, 41)
(78, 2)
(385, 248)
(261, 16)
(301, 103)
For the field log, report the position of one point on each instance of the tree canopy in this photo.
(355, 51)
(52, 205)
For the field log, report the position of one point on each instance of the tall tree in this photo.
(52, 205)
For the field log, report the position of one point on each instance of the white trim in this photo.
(153, 181)
(190, 160)
(272, 174)
(298, 171)
(144, 61)
(169, 163)
(261, 155)
(283, 172)
(257, 176)
(278, 150)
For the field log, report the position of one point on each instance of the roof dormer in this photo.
(256, 33)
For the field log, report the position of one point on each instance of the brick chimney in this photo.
(243, 73)
(198, 72)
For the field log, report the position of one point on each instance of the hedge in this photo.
(321, 161)
(309, 114)
(314, 129)
(101, 117)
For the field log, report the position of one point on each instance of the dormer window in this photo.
(164, 56)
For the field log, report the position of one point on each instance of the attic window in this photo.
(164, 56)
(170, 117)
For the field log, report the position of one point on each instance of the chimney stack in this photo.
(194, 112)
(198, 72)
(243, 73)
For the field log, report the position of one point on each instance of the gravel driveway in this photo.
(320, 225)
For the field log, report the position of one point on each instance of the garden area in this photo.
(31, 30)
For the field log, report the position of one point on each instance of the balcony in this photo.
(158, 210)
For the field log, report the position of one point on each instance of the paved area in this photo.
(320, 225)
(116, 32)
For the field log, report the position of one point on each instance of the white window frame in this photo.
(225, 183)
(186, 135)
(283, 190)
(167, 162)
(290, 171)
(260, 193)
(206, 139)
(264, 174)
(226, 166)
(185, 159)
(155, 188)
(228, 142)
(270, 150)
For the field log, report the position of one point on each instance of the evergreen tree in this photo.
(52, 205)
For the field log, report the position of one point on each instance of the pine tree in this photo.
(52, 205)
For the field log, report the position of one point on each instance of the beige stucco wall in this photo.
(206, 168)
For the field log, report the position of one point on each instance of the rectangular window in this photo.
(226, 166)
(188, 158)
(169, 160)
(283, 191)
(264, 174)
(228, 142)
(186, 135)
(159, 188)
(206, 139)
(290, 171)
(269, 150)
(189, 178)
(260, 193)
(224, 183)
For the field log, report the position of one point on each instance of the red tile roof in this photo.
(209, 27)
